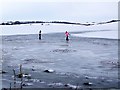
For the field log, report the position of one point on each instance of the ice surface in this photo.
(71, 61)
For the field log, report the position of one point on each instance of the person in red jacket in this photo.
(67, 36)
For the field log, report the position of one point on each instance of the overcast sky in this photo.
(75, 11)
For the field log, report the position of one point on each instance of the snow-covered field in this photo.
(102, 34)
(112, 29)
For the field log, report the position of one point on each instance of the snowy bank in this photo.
(55, 28)
(101, 34)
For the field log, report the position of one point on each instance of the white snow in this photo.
(102, 34)
(53, 28)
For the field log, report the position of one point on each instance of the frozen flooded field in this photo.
(88, 61)
(80, 60)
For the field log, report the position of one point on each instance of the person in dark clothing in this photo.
(40, 35)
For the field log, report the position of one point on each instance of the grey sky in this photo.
(64, 11)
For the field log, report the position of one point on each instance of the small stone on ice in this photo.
(88, 83)
(49, 71)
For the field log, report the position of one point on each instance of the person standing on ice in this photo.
(67, 36)
(40, 35)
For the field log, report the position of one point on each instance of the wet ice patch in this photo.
(90, 77)
(29, 60)
(64, 45)
(34, 80)
(68, 74)
(64, 50)
(55, 84)
(109, 64)
(88, 52)
(26, 61)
